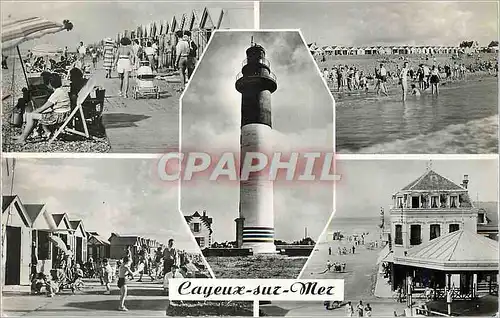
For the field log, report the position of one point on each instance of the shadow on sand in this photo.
(121, 120)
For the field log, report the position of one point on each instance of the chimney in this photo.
(465, 182)
(204, 213)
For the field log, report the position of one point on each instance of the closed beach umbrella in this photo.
(59, 243)
(161, 29)
(15, 32)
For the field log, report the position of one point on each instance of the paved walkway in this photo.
(145, 125)
(145, 299)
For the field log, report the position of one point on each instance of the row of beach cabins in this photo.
(200, 23)
(390, 50)
(32, 234)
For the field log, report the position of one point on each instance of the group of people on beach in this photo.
(132, 53)
(427, 75)
(164, 264)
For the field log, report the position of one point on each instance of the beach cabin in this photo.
(16, 242)
(201, 227)
(80, 237)
(97, 246)
(118, 243)
(64, 231)
(360, 51)
(328, 50)
(43, 225)
(203, 27)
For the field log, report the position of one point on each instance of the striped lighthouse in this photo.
(256, 83)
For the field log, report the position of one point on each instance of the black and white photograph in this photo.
(104, 244)
(417, 77)
(102, 76)
(256, 101)
(409, 238)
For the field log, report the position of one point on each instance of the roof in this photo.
(124, 240)
(58, 218)
(490, 209)
(431, 180)
(75, 224)
(457, 251)
(33, 211)
(6, 201)
(194, 19)
(204, 219)
(98, 239)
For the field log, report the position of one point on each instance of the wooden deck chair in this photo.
(77, 111)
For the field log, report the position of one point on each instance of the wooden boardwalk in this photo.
(145, 125)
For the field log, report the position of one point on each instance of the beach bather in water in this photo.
(415, 91)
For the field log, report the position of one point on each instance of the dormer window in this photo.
(196, 227)
(415, 202)
(480, 218)
(453, 201)
(399, 202)
(434, 202)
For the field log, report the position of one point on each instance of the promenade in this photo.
(143, 125)
(144, 299)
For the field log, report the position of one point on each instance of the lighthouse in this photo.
(256, 83)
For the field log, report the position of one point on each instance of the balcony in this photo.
(262, 61)
(271, 75)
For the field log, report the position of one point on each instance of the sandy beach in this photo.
(128, 125)
(462, 119)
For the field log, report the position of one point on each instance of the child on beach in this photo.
(123, 272)
(415, 91)
(107, 275)
(37, 284)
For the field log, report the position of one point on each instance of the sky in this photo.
(368, 185)
(302, 118)
(94, 21)
(109, 195)
(386, 23)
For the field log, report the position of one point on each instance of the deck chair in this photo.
(77, 111)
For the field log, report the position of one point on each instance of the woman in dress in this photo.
(109, 48)
(124, 59)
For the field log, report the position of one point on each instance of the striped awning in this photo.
(15, 32)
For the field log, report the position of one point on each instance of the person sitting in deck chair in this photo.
(54, 111)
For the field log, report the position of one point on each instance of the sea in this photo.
(355, 225)
(462, 119)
